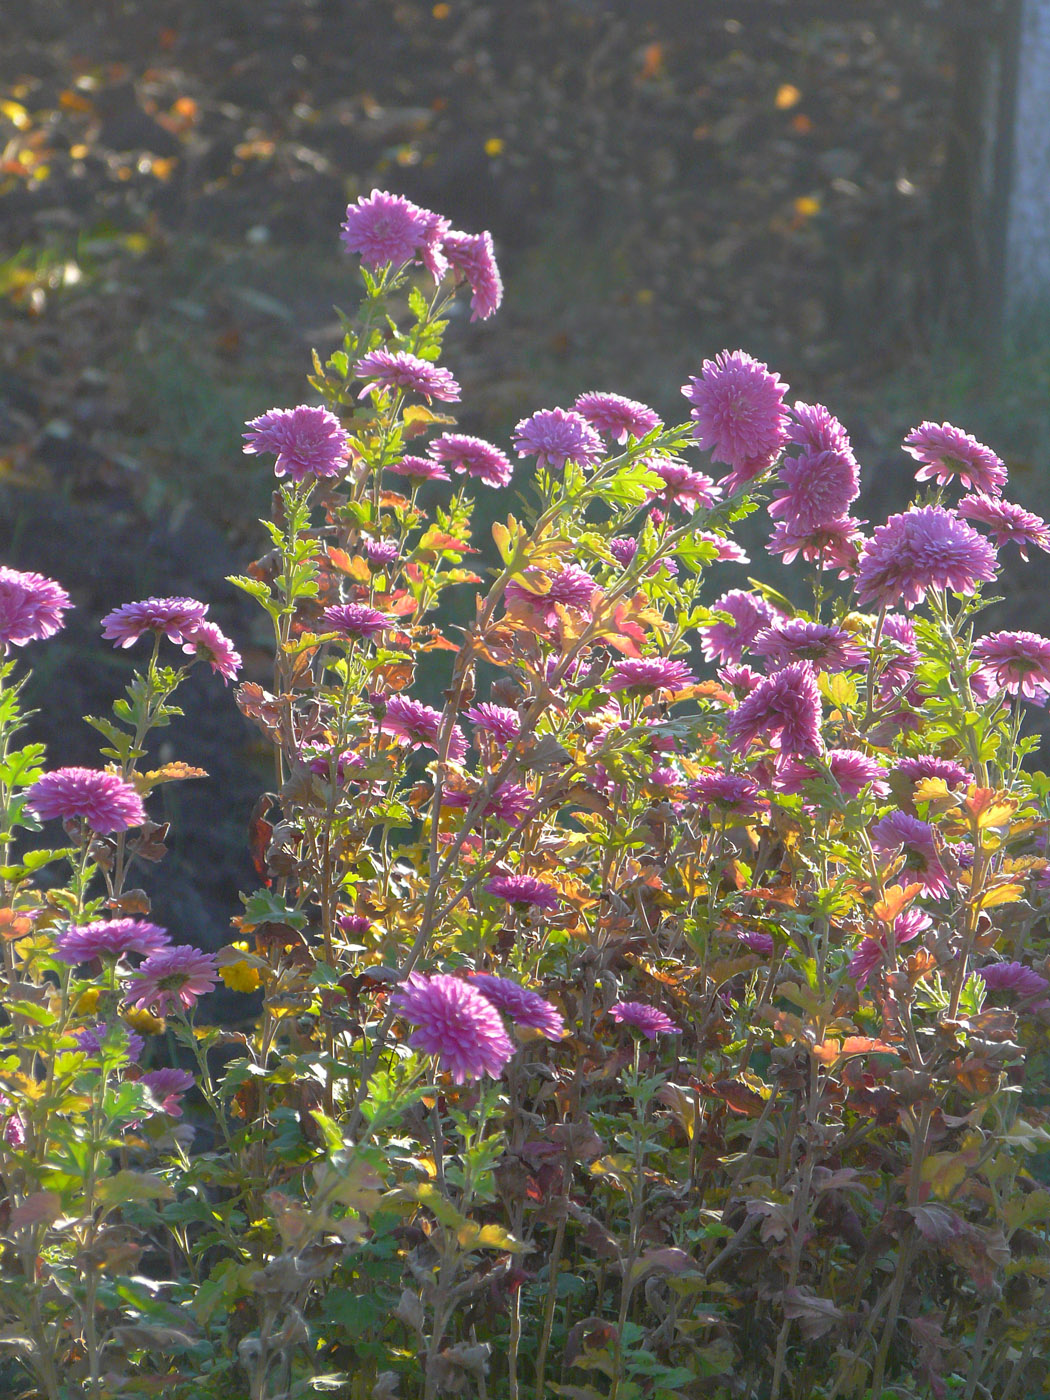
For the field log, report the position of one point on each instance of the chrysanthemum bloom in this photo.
(474, 456)
(524, 892)
(815, 489)
(473, 257)
(682, 486)
(1007, 522)
(174, 618)
(727, 550)
(524, 1008)
(829, 648)
(12, 1128)
(356, 621)
(928, 765)
(835, 544)
(307, 441)
(739, 414)
(647, 1019)
(90, 1038)
(1012, 977)
(812, 427)
(503, 723)
(212, 645)
(456, 1023)
(381, 551)
(397, 369)
(947, 453)
(851, 770)
(649, 673)
(329, 764)
(741, 680)
(171, 978)
(785, 708)
(757, 941)
(418, 724)
(31, 607)
(902, 655)
(103, 800)
(870, 952)
(618, 418)
(556, 436)
(917, 839)
(734, 792)
(110, 939)
(1018, 661)
(167, 1086)
(727, 641)
(571, 587)
(353, 924)
(925, 547)
(389, 230)
(623, 551)
(419, 469)
(508, 803)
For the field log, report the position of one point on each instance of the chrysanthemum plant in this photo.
(618, 1030)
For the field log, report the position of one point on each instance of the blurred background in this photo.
(818, 183)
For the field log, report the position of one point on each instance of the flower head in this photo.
(785, 707)
(571, 587)
(524, 892)
(174, 618)
(455, 1022)
(110, 939)
(381, 552)
(353, 925)
(524, 1008)
(727, 641)
(814, 429)
(832, 544)
(817, 488)
(735, 792)
(925, 547)
(829, 648)
(389, 230)
(1007, 522)
(172, 978)
(307, 441)
(418, 470)
(947, 452)
(103, 800)
(899, 831)
(1018, 661)
(473, 257)
(397, 369)
(757, 941)
(213, 645)
(851, 770)
(474, 456)
(356, 621)
(727, 551)
(503, 723)
(167, 1086)
(649, 1020)
(624, 549)
(555, 436)
(618, 418)
(418, 724)
(682, 486)
(1012, 977)
(90, 1038)
(738, 414)
(928, 765)
(31, 607)
(870, 952)
(649, 673)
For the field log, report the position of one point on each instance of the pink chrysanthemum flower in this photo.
(172, 978)
(571, 587)
(556, 436)
(167, 1086)
(356, 621)
(474, 456)
(419, 469)
(456, 1023)
(473, 257)
(732, 791)
(829, 648)
(728, 551)
(382, 552)
(928, 765)
(1018, 661)
(649, 1020)
(389, 230)
(353, 925)
(813, 428)
(870, 952)
(851, 771)
(508, 803)
(1013, 977)
(785, 708)
(524, 892)
(110, 939)
(925, 547)
(817, 488)
(741, 680)
(174, 618)
(103, 800)
(947, 453)
(682, 486)
(623, 551)
(307, 441)
(331, 766)
(739, 414)
(212, 645)
(1007, 522)
(901, 655)
(831, 545)
(12, 1128)
(917, 839)
(89, 1039)
(31, 607)
(618, 418)
(757, 941)
(649, 673)
(727, 641)
(397, 369)
(503, 723)
(525, 1008)
(418, 725)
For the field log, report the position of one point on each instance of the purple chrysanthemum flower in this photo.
(1018, 661)
(474, 456)
(947, 452)
(172, 978)
(739, 414)
(728, 551)
(31, 607)
(353, 924)
(332, 766)
(12, 1128)
(110, 939)
(103, 800)
(524, 1008)
(555, 436)
(389, 230)
(503, 723)
(473, 256)
(381, 552)
(829, 648)
(418, 724)
(508, 803)
(456, 1023)
(167, 1086)
(618, 418)
(307, 441)
(785, 707)
(870, 952)
(1012, 977)
(757, 941)
(419, 469)
(928, 765)
(90, 1038)
(623, 551)
(851, 770)
(356, 621)
(682, 486)
(173, 618)
(640, 1017)
(397, 369)
(1007, 522)
(899, 831)
(649, 673)
(741, 680)
(813, 428)
(817, 488)
(925, 547)
(524, 892)
(735, 792)
(832, 545)
(571, 587)
(212, 645)
(725, 641)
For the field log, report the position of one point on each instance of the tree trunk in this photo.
(1026, 252)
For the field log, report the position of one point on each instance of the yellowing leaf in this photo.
(475, 1236)
(1000, 894)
